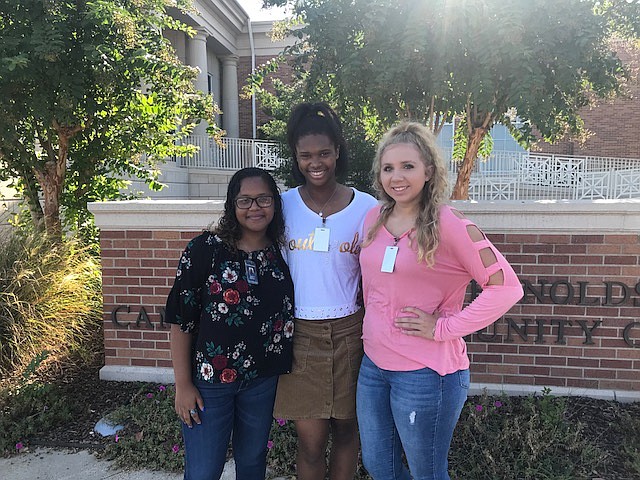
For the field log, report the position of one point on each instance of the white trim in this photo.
(522, 216)
(180, 215)
(554, 216)
(626, 396)
(121, 373)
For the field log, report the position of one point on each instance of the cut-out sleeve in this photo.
(496, 297)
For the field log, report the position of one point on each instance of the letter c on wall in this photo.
(627, 337)
(114, 316)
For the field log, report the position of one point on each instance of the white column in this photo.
(215, 72)
(197, 57)
(230, 110)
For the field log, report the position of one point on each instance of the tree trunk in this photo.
(51, 185)
(51, 180)
(461, 188)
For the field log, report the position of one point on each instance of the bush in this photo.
(30, 407)
(50, 299)
(527, 438)
(152, 436)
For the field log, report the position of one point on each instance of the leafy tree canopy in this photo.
(90, 91)
(487, 61)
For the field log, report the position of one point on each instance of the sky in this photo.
(256, 13)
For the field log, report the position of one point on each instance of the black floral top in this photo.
(241, 330)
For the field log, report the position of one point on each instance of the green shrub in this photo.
(628, 428)
(30, 407)
(152, 436)
(281, 457)
(501, 438)
(50, 299)
(527, 438)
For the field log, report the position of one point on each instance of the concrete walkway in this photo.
(49, 464)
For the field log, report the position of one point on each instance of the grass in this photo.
(152, 436)
(28, 407)
(50, 300)
(50, 320)
(527, 438)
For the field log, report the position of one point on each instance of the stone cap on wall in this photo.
(554, 216)
(521, 216)
(182, 215)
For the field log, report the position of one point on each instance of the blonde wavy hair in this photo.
(434, 194)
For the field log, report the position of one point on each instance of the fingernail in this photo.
(202, 409)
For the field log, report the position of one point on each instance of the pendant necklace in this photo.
(320, 210)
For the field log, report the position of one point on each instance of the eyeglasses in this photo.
(245, 203)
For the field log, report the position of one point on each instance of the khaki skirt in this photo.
(326, 361)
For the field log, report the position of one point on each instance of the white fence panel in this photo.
(501, 176)
(231, 154)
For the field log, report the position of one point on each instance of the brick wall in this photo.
(579, 262)
(613, 124)
(137, 273)
(574, 336)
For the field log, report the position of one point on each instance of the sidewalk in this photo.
(50, 464)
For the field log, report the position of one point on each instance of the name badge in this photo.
(389, 260)
(252, 272)
(321, 240)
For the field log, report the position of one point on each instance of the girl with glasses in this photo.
(231, 310)
(324, 233)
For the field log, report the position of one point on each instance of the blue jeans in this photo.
(414, 411)
(245, 408)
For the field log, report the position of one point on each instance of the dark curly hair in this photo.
(316, 119)
(229, 229)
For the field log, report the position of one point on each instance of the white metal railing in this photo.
(501, 176)
(231, 153)
(530, 175)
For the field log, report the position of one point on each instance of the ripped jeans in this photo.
(414, 411)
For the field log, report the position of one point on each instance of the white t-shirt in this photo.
(325, 283)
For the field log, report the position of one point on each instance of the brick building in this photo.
(614, 124)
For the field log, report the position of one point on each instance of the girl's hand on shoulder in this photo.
(420, 324)
(188, 404)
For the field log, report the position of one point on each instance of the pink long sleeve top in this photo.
(438, 288)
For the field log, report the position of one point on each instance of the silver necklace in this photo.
(320, 210)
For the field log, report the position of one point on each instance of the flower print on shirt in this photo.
(206, 371)
(214, 287)
(220, 362)
(231, 296)
(288, 329)
(228, 375)
(242, 286)
(225, 303)
(274, 328)
(229, 275)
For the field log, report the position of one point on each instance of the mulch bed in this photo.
(94, 398)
